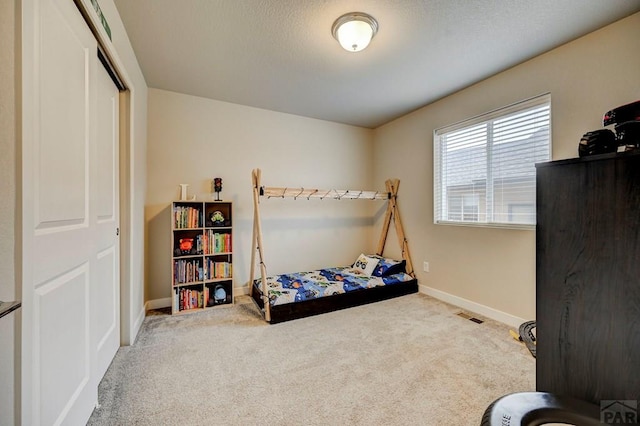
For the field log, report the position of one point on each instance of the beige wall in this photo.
(9, 357)
(496, 267)
(192, 140)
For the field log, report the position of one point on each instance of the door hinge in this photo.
(117, 231)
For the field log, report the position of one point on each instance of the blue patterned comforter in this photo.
(301, 286)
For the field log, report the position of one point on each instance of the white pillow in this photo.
(366, 264)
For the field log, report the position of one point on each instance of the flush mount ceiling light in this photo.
(354, 30)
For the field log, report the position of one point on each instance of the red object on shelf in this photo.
(186, 244)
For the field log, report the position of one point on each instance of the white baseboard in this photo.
(165, 302)
(241, 291)
(137, 324)
(486, 311)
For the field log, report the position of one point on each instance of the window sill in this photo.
(517, 226)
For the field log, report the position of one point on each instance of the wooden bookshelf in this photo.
(202, 255)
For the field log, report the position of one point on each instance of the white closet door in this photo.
(105, 294)
(69, 265)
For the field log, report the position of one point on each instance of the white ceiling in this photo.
(280, 54)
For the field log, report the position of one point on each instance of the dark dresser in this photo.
(588, 277)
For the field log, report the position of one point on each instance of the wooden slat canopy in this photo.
(336, 194)
(392, 213)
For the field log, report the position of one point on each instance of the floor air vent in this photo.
(469, 317)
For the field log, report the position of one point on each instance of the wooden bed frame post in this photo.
(257, 246)
(254, 247)
(386, 223)
(394, 213)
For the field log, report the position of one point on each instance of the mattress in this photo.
(311, 285)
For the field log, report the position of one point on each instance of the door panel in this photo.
(63, 342)
(56, 184)
(107, 139)
(106, 310)
(62, 152)
(70, 264)
(106, 302)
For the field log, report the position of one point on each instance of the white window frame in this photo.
(439, 202)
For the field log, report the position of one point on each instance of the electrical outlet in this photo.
(425, 266)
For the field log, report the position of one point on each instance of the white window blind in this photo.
(484, 168)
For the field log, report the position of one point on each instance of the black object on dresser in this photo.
(588, 277)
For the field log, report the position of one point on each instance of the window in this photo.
(485, 167)
(463, 207)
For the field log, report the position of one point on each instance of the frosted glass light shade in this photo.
(354, 31)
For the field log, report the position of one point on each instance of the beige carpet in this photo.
(405, 361)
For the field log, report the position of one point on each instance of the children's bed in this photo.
(371, 278)
(301, 294)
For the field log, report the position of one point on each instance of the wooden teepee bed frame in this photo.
(279, 313)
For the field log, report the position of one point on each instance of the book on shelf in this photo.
(186, 271)
(187, 298)
(186, 217)
(213, 269)
(215, 242)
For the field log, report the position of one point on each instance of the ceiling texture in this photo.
(280, 54)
